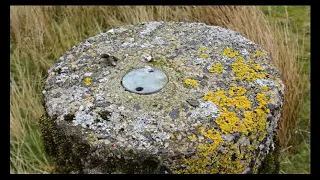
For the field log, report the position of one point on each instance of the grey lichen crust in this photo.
(217, 114)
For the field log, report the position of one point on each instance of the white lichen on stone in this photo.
(265, 82)
(116, 31)
(146, 57)
(158, 41)
(207, 109)
(150, 26)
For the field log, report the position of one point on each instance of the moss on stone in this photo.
(271, 163)
(70, 151)
(65, 150)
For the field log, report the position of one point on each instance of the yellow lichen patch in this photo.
(214, 135)
(207, 157)
(220, 98)
(264, 61)
(239, 58)
(204, 56)
(259, 53)
(243, 71)
(87, 81)
(262, 99)
(236, 90)
(257, 67)
(230, 53)
(230, 123)
(190, 82)
(209, 96)
(255, 122)
(240, 102)
(193, 136)
(233, 166)
(202, 49)
(201, 129)
(216, 68)
(264, 88)
(209, 160)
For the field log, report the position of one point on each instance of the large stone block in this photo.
(215, 110)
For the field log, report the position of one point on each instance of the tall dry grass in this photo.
(39, 35)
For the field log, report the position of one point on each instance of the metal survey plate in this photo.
(144, 81)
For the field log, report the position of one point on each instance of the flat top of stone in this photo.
(217, 80)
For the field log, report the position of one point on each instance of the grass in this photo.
(40, 35)
(296, 156)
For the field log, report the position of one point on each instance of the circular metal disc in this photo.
(144, 81)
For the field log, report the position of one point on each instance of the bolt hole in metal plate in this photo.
(144, 81)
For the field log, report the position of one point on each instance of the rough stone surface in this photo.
(228, 127)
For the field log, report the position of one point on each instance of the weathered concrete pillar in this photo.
(163, 97)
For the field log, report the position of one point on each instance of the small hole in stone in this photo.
(150, 70)
(59, 71)
(233, 157)
(139, 88)
(69, 117)
(105, 115)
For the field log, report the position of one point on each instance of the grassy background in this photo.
(40, 35)
(297, 160)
